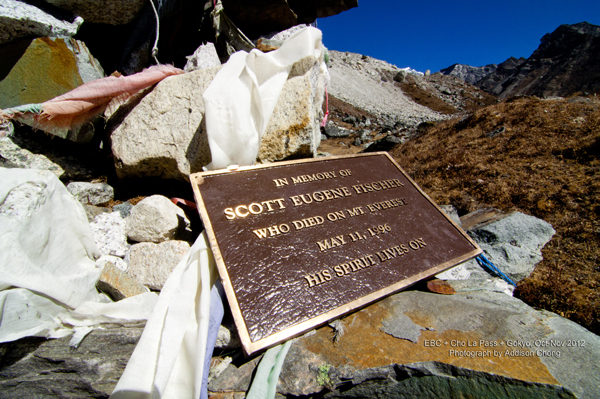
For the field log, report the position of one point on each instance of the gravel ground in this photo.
(359, 79)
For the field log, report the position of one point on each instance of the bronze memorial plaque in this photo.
(299, 243)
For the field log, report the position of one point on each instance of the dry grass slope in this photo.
(546, 163)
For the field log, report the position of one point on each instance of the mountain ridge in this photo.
(563, 64)
(469, 74)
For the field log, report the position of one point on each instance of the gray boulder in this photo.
(46, 68)
(514, 243)
(386, 143)
(364, 135)
(204, 57)
(34, 150)
(151, 264)
(91, 193)
(20, 157)
(20, 20)
(400, 77)
(156, 219)
(39, 368)
(164, 134)
(417, 344)
(109, 234)
(351, 119)
(294, 127)
(332, 130)
(511, 241)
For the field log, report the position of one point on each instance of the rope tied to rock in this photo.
(487, 264)
(155, 47)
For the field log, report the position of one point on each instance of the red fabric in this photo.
(182, 201)
(84, 102)
(324, 122)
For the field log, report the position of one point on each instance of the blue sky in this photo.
(436, 34)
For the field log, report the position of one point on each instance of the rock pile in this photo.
(477, 340)
(39, 69)
(139, 244)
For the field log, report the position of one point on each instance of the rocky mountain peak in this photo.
(566, 39)
(581, 28)
(563, 64)
(469, 73)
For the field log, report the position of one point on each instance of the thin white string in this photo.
(155, 48)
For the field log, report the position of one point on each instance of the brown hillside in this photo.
(544, 163)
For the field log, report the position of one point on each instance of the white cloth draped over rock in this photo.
(47, 268)
(240, 100)
(169, 359)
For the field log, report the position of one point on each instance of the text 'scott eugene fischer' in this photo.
(301, 242)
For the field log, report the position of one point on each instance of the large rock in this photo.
(46, 68)
(331, 130)
(39, 368)
(514, 243)
(294, 128)
(27, 149)
(417, 344)
(165, 134)
(19, 156)
(386, 143)
(91, 193)
(112, 12)
(20, 20)
(157, 219)
(151, 264)
(511, 241)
